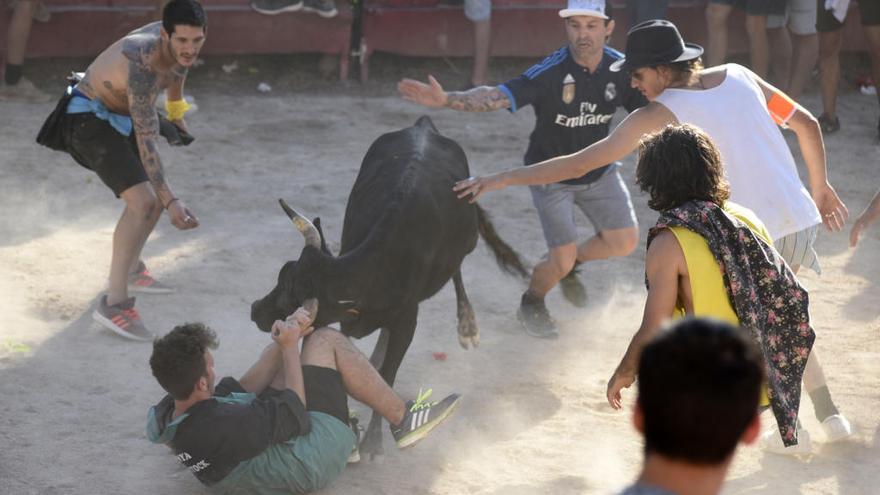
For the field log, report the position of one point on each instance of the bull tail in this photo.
(507, 259)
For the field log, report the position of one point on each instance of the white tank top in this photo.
(760, 168)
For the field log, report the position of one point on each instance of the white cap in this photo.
(592, 8)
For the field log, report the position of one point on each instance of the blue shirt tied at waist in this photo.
(80, 103)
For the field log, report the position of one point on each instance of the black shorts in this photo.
(97, 146)
(826, 22)
(324, 392)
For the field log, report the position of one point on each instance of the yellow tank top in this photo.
(707, 284)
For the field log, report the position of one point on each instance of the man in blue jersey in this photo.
(574, 95)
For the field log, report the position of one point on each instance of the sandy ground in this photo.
(73, 396)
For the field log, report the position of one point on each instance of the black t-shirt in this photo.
(573, 107)
(218, 435)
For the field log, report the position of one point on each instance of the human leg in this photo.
(608, 205)
(872, 32)
(835, 425)
(830, 41)
(805, 44)
(759, 48)
(479, 12)
(141, 213)
(411, 421)
(19, 32)
(716, 26)
(329, 348)
(15, 87)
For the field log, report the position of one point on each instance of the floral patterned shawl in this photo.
(766, 296)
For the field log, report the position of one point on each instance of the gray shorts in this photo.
(478, 10)
(606, 203)
(797, 248)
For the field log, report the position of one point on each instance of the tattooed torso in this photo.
(127, 77)
(108, 77)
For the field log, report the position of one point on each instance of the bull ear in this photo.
(324, 249)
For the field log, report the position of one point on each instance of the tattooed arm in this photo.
(481, 99)
(142, 90)
(174, 91)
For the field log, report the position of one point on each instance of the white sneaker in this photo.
(837, 427)
(771, 441)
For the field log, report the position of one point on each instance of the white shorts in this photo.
(800, 17)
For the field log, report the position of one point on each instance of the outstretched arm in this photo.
(869, 216)
(663, 266)
(142, 91)
(623, 140)
(480, 99)
(787, 112)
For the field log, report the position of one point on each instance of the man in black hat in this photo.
(574, 95)
(743, 114)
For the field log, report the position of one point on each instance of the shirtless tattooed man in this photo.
(108, 123)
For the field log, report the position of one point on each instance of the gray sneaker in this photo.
(275, 7)
(536, 320)
(324, 8)
(122, 319)
(142, 281)
(573, 290)
(421, 417)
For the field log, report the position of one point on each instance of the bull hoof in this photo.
(468, 341)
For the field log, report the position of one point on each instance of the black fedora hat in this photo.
(653, 43)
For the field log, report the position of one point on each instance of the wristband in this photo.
(176, 109)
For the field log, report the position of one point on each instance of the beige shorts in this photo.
(797, 248)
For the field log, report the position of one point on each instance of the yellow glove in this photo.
(176, 109)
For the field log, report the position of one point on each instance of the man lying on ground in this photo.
(284, 426)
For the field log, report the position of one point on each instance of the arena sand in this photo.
(73, 396)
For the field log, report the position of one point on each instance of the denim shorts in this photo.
(605, 202)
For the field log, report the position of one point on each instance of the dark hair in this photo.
(178, 359)
(183, 12)
(699, 386)
(680, 164)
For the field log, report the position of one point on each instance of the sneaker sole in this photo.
(103, 321)
(143, 289)
(291, 8)
(554, 334)
(323, 13)
(415, 436)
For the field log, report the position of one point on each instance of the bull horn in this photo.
(313, 238)
(311, 305)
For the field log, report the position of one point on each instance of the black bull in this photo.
(405, 235)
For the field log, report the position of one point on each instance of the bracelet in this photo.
(176, 109)
(169, 203)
